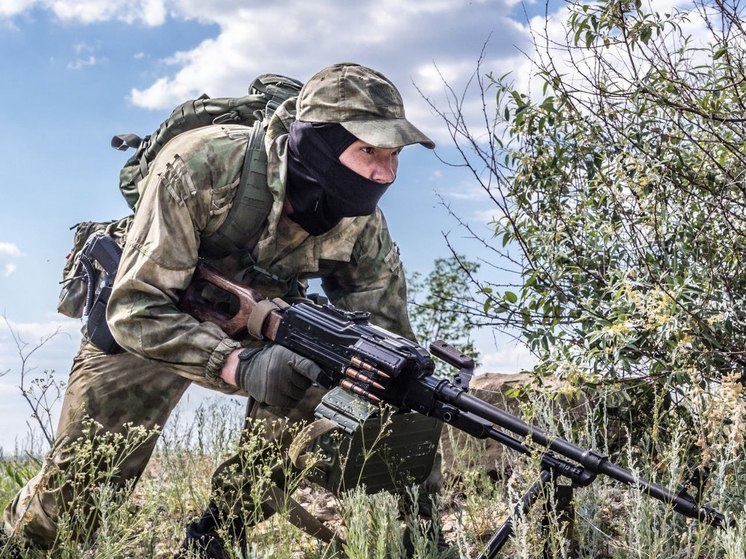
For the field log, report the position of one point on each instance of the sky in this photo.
(75, 73)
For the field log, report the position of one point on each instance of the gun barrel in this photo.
(594, 462)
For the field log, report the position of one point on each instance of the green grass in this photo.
(611, 520)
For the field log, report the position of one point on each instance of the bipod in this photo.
(560, 503)
(452, 405)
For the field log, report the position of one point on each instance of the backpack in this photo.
(253, 200)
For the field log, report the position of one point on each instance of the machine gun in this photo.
(382, 367)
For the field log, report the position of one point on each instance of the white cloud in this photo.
(467, 190)
(297, 38)
(487, 217)
(405, 40)
(85, 56)
(81, 63)
(32, 331)
(9, 8)
(149, 12)
(10, 249)
(7, 389)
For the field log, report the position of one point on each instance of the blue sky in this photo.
(75, 73)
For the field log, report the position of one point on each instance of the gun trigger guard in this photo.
(259, 314)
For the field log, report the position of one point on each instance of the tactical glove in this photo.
(274, 375)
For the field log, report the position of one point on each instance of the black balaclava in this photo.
(320, 189)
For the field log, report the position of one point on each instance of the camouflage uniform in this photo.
(185, 197)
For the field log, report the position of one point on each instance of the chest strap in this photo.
(251, 204)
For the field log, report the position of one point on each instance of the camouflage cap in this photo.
(362, 100)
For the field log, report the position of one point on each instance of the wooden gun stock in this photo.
(196, 302)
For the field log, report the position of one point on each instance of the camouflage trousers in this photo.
(113, 408)
(106, 434)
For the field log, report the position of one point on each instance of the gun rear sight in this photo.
(455, 358)
(451, 355)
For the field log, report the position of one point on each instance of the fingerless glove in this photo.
(275, 375)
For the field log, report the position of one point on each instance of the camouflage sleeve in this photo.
(374, 281)
(179, 199)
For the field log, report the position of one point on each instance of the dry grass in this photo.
(611, 520)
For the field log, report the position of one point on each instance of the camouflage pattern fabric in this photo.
(362, 100)
(101, 387)
(185, 196)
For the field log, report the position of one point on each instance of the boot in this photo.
(202, 546)
(203, 541)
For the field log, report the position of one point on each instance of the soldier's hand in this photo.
(275, 375)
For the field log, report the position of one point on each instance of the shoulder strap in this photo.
(299, 516)
(251, 204)
(309, 433)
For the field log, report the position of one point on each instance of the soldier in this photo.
(331, 155)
